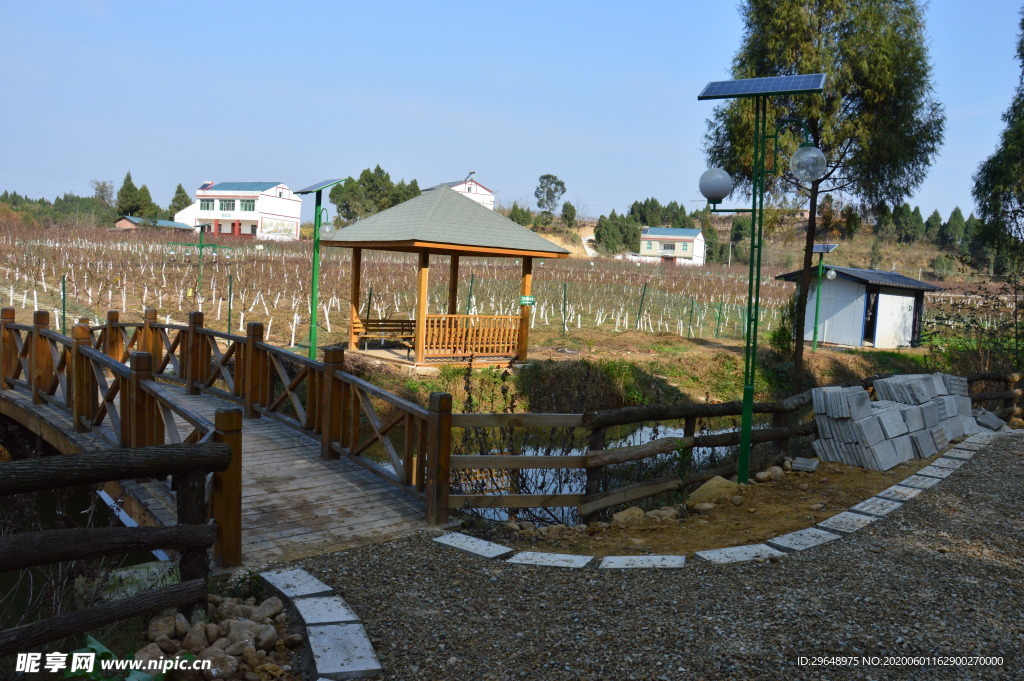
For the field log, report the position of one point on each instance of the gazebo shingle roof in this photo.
(443, 216)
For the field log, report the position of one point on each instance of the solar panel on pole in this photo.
(755, 87)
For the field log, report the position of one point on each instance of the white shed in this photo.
(865, 307)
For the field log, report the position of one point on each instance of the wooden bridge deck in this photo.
(294, 503)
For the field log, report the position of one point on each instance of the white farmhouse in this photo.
(471, 189)
(264, 210)
(671, 245)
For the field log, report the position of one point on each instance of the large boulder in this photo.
(717, 490)
(630, 516)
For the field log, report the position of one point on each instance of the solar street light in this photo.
(807, 165)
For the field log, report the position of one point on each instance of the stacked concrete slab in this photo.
(914, 415)
(853, 431)
(943, 402)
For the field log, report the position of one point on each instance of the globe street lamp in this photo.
(807, 165)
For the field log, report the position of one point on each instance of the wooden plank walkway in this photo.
(294, 503)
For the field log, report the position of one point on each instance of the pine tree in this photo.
(953, 232)
(128, 197)
(569, 215)
(933, 227)
(180, 202)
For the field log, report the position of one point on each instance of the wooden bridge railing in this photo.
(401, 442)
(192, 536)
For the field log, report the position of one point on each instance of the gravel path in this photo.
(943, 576)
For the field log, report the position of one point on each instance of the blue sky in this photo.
(602, 94)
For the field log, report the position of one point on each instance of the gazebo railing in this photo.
(460, 335)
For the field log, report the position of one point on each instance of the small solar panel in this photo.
(824, 248)
(753, 87)
(318, 186)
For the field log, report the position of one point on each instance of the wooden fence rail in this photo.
(191, 537)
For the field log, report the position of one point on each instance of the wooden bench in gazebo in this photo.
(441, 222)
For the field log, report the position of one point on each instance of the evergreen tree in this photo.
(933, 227)
(147, 209)
(569, 215)
(851, 221)
(952, 233)
(519, 215)
(682, 221)
(180, 202)
(902, 222)
(877, 121)
(917, 226)
(711, 246)
(740, 227)
(128, 197)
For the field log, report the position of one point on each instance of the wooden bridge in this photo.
(299, 484)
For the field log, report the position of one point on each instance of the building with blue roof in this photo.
(865, 307)
(260, 210)
(671, 246)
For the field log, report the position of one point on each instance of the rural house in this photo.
(129, 222)
(471, 189)
(671, 245)
(865, 308)
(264, 210)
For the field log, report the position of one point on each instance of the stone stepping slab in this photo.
(802, 539)
(740, 554)
(477, 547)
(296, 583)
(962, 454)
(948, 463)
(933, 471)
(877, 506)
(920, 482)
(847, 522)
(565, 560)
(341, 649)
(898, 493)
(626, 562)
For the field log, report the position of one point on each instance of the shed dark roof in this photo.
(442, 216)
(156, 223)
(871, 277)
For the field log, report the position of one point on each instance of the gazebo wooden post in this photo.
(421, 305)
(524, 310)
(353, 304)
(453, 285)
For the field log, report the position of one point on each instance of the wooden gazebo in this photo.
(443, 222)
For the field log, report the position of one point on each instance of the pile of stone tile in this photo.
(915, 415)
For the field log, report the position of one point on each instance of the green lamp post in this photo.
(821, 250)
(807, 164)
(314, 294)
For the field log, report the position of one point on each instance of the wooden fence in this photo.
(401, 442)
(192, 536)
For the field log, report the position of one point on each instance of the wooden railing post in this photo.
(256, 381)
(193, 563)
(1009, 402)
(83, 382)
(40, 361)
(439, 449)
(112, 346)
(195, 357)
(782, 420)
(8, 349)
(226, 500)
(595, 442)
(141, 425)
(331, 413)
(149, 337)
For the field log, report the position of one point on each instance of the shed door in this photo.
(895, 323)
